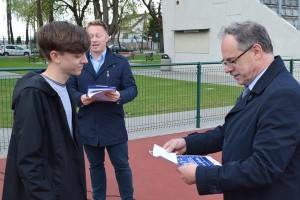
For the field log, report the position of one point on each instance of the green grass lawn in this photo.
(23, 62)
(156, 95)
(19, 62)
(141, 59)
(6, 89)
(161, 95)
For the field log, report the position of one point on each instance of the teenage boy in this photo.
(45, 157)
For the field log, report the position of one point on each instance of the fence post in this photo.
(198, 95)
(292, 67)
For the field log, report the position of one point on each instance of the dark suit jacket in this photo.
(260, 143)
(102, 123)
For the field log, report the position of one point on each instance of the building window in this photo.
(125, 35)
(195, 41)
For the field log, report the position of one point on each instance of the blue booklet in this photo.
(98, 92)
(199, 160)
(183, 159)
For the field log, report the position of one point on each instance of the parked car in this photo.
(14, 50)
(122, 50)
(116, 48)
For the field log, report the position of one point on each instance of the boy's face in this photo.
(99, 38)
(72, 64)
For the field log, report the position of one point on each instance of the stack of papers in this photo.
(98, 92)
(183, 159)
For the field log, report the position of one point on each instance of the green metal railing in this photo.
(171, 95)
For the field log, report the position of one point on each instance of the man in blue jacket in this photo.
(260, 137)
(102, 122)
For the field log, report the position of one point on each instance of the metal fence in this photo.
(172, 97)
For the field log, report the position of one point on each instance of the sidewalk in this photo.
(154, 179)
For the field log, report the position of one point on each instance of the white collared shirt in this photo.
(256, 79)
(98, 63)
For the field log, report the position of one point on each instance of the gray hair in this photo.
(249, 33)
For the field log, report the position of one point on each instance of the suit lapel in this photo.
(240, 104)
(276, 66)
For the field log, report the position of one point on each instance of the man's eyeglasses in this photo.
(233, 61)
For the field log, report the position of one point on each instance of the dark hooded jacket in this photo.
(44, 161)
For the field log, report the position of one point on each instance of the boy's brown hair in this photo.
(62, 36)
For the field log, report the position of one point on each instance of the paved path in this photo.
(6, 75)
(154, 125)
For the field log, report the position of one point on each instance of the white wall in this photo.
(211, 15)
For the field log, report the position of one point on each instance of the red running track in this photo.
(154, 178)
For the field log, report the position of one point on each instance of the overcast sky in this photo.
(18, 26)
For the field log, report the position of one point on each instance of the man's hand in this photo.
(113, 96)
(188, 173)
(177, 146)
(86, 100)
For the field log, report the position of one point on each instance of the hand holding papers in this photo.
(98, 92)
(161, 152)
(183, 159)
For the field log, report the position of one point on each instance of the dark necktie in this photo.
(245, 92)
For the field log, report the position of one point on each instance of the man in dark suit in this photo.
(260, 137)
(102, 123)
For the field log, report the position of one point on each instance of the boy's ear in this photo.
(55, 57)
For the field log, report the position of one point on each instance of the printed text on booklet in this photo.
(183, 159)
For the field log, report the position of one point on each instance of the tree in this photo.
(127, 15)
(109, 8)
(25, 10)
(10, 35)
(39, 13)
(115, 13)
(50, 8)
(156, 25)
(97, 11)
(19, 41)
(77, 7)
